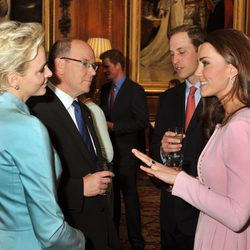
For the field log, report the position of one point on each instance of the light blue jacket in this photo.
(30, 217)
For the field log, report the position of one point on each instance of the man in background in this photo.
(178, 219)
(125, 108)
(70, 125)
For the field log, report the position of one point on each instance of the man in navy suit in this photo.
(125, 108)
(178, 219)
(82, 184)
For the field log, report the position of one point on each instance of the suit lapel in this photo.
(68, 125)
(182, 103)
(105, 99)
(177, 118)
(119, 98)
(89, 123)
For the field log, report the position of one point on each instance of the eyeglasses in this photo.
(83, 62)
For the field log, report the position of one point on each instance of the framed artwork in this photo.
(41, 11)
(150, 62)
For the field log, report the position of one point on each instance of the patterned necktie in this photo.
(112, 97)
(83, 129)
(190, 106)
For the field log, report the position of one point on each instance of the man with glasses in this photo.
(82, 186)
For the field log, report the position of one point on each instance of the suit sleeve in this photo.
(37, 173)
(232, 209)
(138, 119)
(158, 130)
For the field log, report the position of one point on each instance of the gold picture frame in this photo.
(134, 14)
(49, 23)
(47, 12)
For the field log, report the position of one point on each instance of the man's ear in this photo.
(59, 66)
(118, 65)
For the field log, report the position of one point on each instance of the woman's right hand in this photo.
(157, 169)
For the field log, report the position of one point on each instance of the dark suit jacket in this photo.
(171, 113)
(130, 117)
(90, 214)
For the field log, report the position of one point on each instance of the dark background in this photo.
(26, 10)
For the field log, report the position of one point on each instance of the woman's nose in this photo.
(198, 71)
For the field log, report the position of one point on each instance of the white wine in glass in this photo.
(175, 159)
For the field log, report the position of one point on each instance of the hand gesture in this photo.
(156, 169)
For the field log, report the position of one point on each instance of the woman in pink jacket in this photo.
(222, 189)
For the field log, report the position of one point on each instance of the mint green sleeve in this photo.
(38, 168)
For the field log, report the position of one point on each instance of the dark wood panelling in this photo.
(152, 101)
(95, 18)
(248, 20)
(118, 24)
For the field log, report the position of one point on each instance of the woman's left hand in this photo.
(156, 169)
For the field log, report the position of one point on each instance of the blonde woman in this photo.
(30, 218)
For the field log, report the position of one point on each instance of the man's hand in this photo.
(170, 144)
(96, 183)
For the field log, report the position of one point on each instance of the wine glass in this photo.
(175, 159)
(179, 132)
(105, 166)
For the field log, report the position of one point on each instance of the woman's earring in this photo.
(16, 87)
(231, 79)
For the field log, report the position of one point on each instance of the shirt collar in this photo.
(119, 83)
(64, 97)
(197, 85)
(197, 92)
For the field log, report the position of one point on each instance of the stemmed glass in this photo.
(175, 159)
(179, 132)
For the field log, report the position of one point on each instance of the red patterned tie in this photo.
(190, 106)
(112, 97)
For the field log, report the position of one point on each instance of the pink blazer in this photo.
(222, 189)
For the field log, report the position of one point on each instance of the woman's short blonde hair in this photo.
(19, 44)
